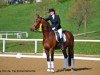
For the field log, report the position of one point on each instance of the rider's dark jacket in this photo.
(55, 22)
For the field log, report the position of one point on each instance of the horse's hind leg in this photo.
(71, 57)
(65, 59)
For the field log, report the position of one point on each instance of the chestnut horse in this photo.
(50, 43)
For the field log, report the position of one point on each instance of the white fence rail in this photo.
(36, 40)
(9, 33)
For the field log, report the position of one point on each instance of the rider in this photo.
(56, 26)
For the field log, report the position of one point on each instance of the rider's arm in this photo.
(58, 22)
(48, 18)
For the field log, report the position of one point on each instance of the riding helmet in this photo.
(51, 10)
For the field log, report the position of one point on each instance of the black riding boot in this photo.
(62, 44)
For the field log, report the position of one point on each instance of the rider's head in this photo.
(51, 11)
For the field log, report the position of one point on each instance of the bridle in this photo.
(38, 23)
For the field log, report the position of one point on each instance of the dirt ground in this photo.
(36, 66)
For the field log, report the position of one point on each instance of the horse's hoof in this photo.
(64, 69)
(52, 70)
(48, 70)
(72, 69)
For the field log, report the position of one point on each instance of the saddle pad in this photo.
(58, 37)
(64, 37)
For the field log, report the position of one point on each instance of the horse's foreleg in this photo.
(48, 60)
(52, 60)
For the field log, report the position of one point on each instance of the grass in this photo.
(28, 47)
(91, 36)
(87, 48)
(21, 17)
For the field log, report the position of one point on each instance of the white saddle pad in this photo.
(63, 36)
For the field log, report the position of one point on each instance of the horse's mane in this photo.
(47, 24)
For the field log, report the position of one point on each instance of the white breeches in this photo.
(60, 32)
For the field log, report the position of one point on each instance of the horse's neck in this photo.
(45, 35)
(45, 30)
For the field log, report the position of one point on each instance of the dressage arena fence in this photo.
(18, 34)
(37, 40)
(19, 55)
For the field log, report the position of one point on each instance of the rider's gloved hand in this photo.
(53, 28)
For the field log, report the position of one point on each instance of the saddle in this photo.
(57, 36)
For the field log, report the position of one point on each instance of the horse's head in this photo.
(37, 23)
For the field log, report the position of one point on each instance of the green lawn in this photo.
(28, 47)
(21, 17)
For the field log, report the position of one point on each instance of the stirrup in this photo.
(62, 48)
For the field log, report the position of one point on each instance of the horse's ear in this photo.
(37, 15)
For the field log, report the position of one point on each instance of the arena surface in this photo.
(37, 66)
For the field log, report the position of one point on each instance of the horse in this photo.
(50, 43)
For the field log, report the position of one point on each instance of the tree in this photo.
(80, 13)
